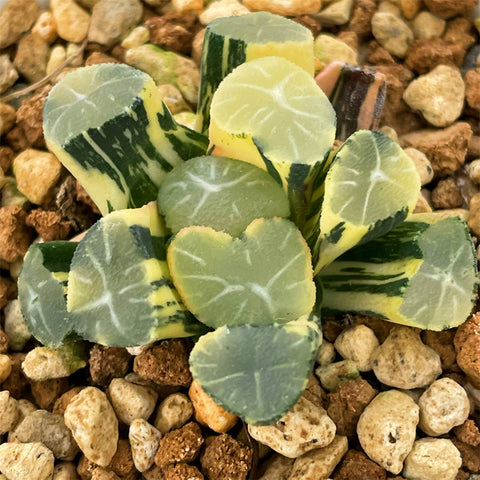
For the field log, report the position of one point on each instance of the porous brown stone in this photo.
(181, 471)
(63, 400)
(470, 456)
(46, 392)
(357, 466)
(361, 19)
(122, 462)
(472, 88)
(468, 433)
(446, 194)
(451, 8)
(442, 343)
(49, 224)
(15, 235)
(467, 346)
(106, 363)
(16, 383)
(424, 54)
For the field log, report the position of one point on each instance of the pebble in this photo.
(144, 440)
(422, 163)
(15, 326)
(432, 459)
(474, 171)
(65, 471)
(173, 412)
(22, 461)
(186, 5)
(167, 67)
(37, 172)
(113, 19)
(208, 412)
(438, 95)
(474, 216)
(72, 21)
(5, 367)
(49, 429)
(173, 98)
(389, 7)
(16, 17)
(333, 374)
(43, 363)
(404, 361)
(138, 36)
(410, 8)
(58, 55)
(467, 337)
(427, 25)
(321, 462)
(93, 423)
(284, 7)
(451, 8)
(46, 27)
(446, 194)
(472, 88)
(222, 8)
(337, 13)
(392, 33)
(445, 148)
(357, 464)
(443, 405)
(131, 401)
(357, 343)
(327, 48)
(8, 412)
(8, 74)
(326, 353)
(7, 121)
(387, 427)
(305, 427)
(31, 57)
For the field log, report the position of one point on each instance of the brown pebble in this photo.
(49, 224)
(446, 194)
(225, 458)
(15, 236)
(380, 327)
(16, 383)
(63, 400)
(357, 466)
(470, 456)
(472, 88)
(122, 462)
(442, 343)
(310, 22)
(180, 445)
(3, 339)
(47, 392)
(347, 404)
(361, 19)
(85, 468)
(99, 57)
(446, 148)
(30, 117)
(31, 57)
(7, 118)
(107, 363)
(425, 54)
(377, 55)
(468, 433)
(460, 31)
(165, 363)
(451, 8)
(3, 294)
(467, 346)
(6, 158)
(100, 473)
(181, 471)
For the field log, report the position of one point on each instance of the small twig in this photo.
(45, 79)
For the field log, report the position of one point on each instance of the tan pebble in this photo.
(65, 471)
(144, 441)
(58, 55)
(22, 461)
(93, 423)
(321, 462)
(8, 412)
(16, 17)
(327, 48)
(389, 7)
(422, 206)
(15, 326)
(357, 343)
(474, 216)
(404, 361)
(99, 473)
(284, 7)
(438, 95)
(208, 412)
(31, 57)
(197, 46)
(426, 25)
(432, 459)
(8, 76)
(74, 54)
(37, 172)
(332, 374)
(138, 36)
(222, 8)
(131, 401)
(422, 163)
(173, 98)
(173, 412)
(447, 194)
(392, 33)
(387, 427)
(46, 27)
(72, 21)
(7, 115)
(473, 169)
(337, 13)
(5, 367)
(305, 427)
(185, 5)
(276, 467)
(390, 132)
(443, 405)
(326, 353)
(467, 340)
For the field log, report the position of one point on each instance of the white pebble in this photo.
(326, 353)
(222, 8)
(26, 461)
(144, 441)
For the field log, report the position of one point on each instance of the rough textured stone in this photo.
(284, 7)
(107, 363)
(356, 465)
(424, 55)
(446, 148)
(112, 19)
(467, 346)
(8, 76)
(386, 429)
(71, 20)
(392, 33)
(15, 236)
(361, 18)
(221, 8)
(472, 88)
(446, 194)
(22, 461)
(437, 95)
(16, 18)
(451, 8)
(31, 58)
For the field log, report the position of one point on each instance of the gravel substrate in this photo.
(384, 402)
